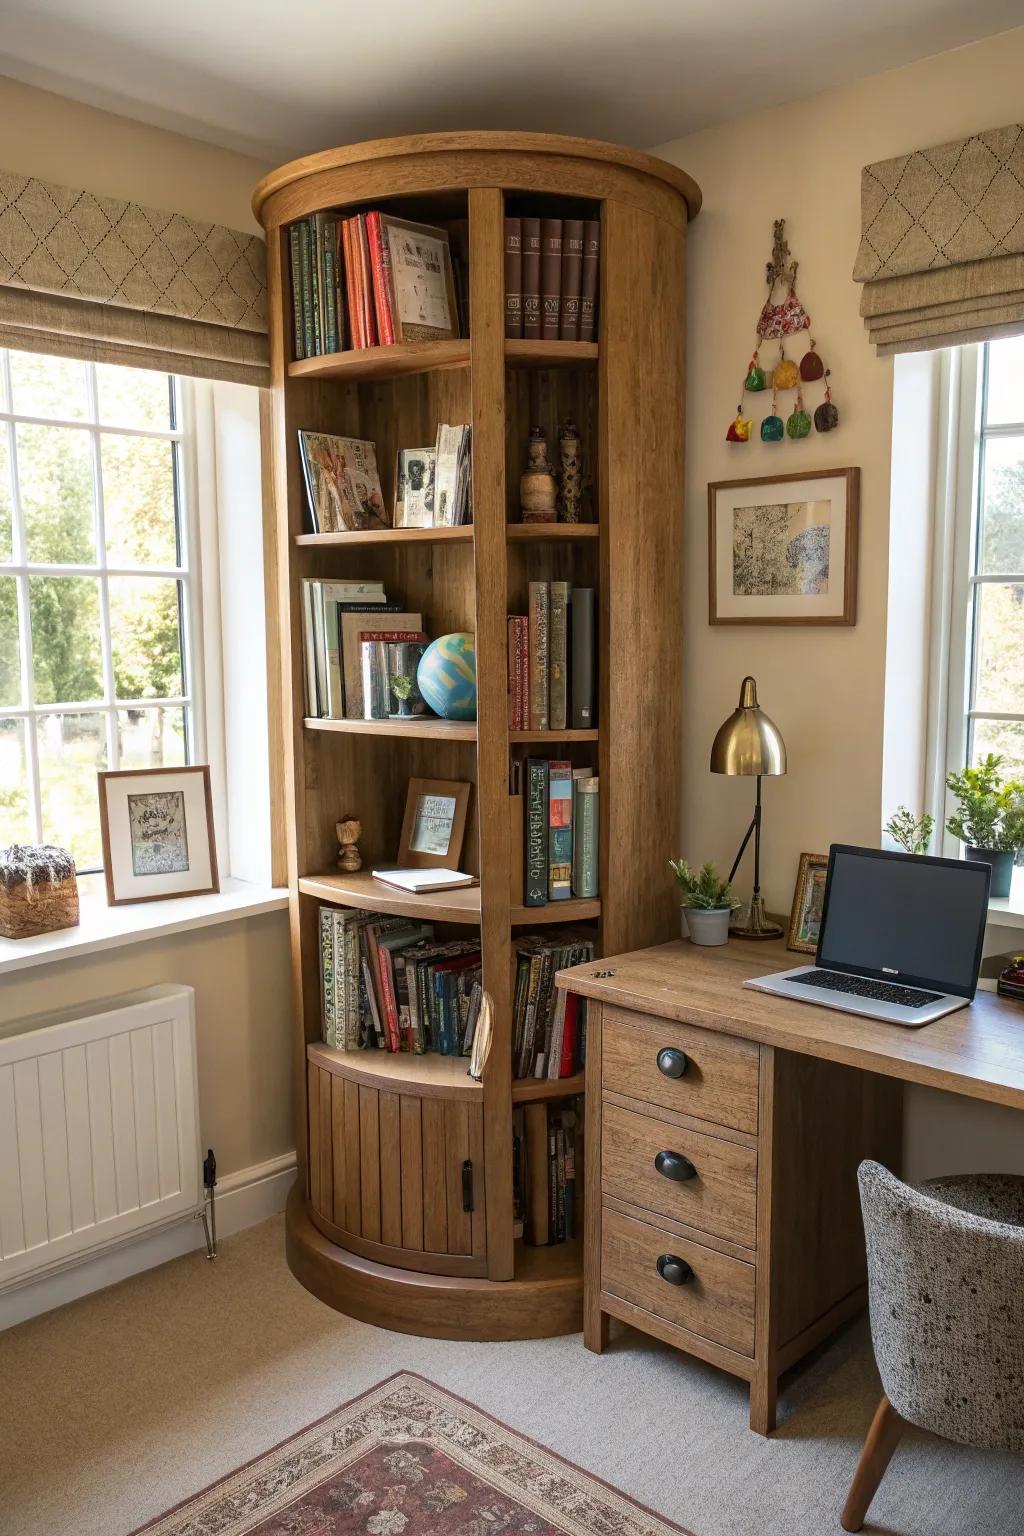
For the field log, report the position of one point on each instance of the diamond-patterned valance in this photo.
(101, 277)
(942, 243)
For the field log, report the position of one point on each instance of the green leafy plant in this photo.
(910, 832)
(991, 813)
(703, 889)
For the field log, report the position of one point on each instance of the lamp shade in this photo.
(748, 742)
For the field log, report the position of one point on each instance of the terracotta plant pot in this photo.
(708, 927)
(1002, 867)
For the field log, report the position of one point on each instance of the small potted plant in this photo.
(909, 832)
(708, 902)
(990, 820)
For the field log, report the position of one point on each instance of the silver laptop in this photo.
(900, 937)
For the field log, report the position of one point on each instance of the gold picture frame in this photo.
(434, 824)
(805, 917)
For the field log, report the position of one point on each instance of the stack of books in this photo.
(547, 1171)
(561, 806)
(549, 1025)
(551, 278)
(551, 660)
(387, 984)
(338, 619)
(433, 486)
(370, 280)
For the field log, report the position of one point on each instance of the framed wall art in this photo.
(434, 824)
(808, 897)
(783, 549)
(157, 830)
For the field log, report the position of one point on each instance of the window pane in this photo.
(1005, 401)
(48, 386)
(138, 501)
(1000, 643)
(15, 826)
(72, 748)
(1002, 536)
(145, 637)
(10, 649)
(133, 397)
(6, 542)
(66, 658)
(1006, 739)
(151, 738)
(55, 481)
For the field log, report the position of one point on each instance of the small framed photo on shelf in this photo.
(434, 824)
(808, 898)
(783, 549)
(157, 830)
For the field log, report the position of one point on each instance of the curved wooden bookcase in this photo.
(377, 1225)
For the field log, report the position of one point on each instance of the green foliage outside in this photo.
(703, 889)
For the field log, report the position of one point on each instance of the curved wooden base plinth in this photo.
(535, 1306)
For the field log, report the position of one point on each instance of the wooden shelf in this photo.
(517, 532)
(548, 354)
(386, 362)
(573, 911)
(362, 890)
(429, 1075)
(589, 735)
(552, 1263)
(424, 728)
(528, 1090)
(385, 536)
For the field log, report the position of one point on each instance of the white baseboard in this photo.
(243, 1199)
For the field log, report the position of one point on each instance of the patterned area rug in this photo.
(405, 1459)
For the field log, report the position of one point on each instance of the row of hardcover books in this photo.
(340, 619)
(551, 660)
(387, 984)
(559, 815)
(547, 1172)
(549, 1025)
(372, 279)
(551, 273)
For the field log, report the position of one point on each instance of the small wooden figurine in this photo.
(349, 830)
(538, 488)
(38, 891)
(571, 480)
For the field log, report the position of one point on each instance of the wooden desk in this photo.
(778, 1103)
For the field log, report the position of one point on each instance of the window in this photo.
(98, 599)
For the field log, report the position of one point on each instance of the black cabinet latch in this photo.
(467, 1185)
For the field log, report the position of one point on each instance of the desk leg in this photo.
(763, 1397)
(595, 1326)
(595, 1322)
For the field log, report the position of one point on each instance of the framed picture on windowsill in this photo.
(157, 831)
(782, 549)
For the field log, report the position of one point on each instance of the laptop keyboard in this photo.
(861, 986)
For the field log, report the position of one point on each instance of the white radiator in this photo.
(99, 1128)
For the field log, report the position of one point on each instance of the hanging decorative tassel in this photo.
(826, 417)
(771, 427)
(811, 365)
(798, 423)
(756, 378)
(739, 428)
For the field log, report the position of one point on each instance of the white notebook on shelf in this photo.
(418, 882)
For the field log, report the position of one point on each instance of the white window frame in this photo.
(187, 572)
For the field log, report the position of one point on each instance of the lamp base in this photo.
(756, 925)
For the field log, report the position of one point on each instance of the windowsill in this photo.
(102, 927)
(1008, 911)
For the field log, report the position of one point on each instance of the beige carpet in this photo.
(119, 1406)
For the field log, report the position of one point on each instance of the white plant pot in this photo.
(707, 927)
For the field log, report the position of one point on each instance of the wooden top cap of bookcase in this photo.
(377, 152)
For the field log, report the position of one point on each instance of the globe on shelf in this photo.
(447, 676)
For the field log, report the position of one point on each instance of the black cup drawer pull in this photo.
(673, 1269)
(674, 1166)
(672, 1063)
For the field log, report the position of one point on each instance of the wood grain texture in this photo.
(720, 1082)
(430, 1075)
(883, 1437)
(435, 1188)
(389, 1120)
(384, 362)
(770, 1279)
(674, 1333)
(595, 1321)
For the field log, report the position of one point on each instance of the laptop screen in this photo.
(895, 915)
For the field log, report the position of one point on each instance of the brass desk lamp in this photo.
(749, 744)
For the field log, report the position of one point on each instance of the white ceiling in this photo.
(277, 78)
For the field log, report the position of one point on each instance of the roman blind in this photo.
(118, 282)
(942, 243)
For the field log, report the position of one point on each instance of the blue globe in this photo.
(447, 676)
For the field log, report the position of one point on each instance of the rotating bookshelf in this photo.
(403, 1211)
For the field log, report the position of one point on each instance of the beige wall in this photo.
(824, 688)
(61, 140)
(241, 974)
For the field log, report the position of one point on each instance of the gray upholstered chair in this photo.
(946, 1292)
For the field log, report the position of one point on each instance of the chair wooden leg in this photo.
(882, 1439)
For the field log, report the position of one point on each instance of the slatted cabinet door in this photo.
(396, 1175)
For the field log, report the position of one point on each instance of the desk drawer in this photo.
(720, 1196)
(715, 1301)
(719, 1083)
